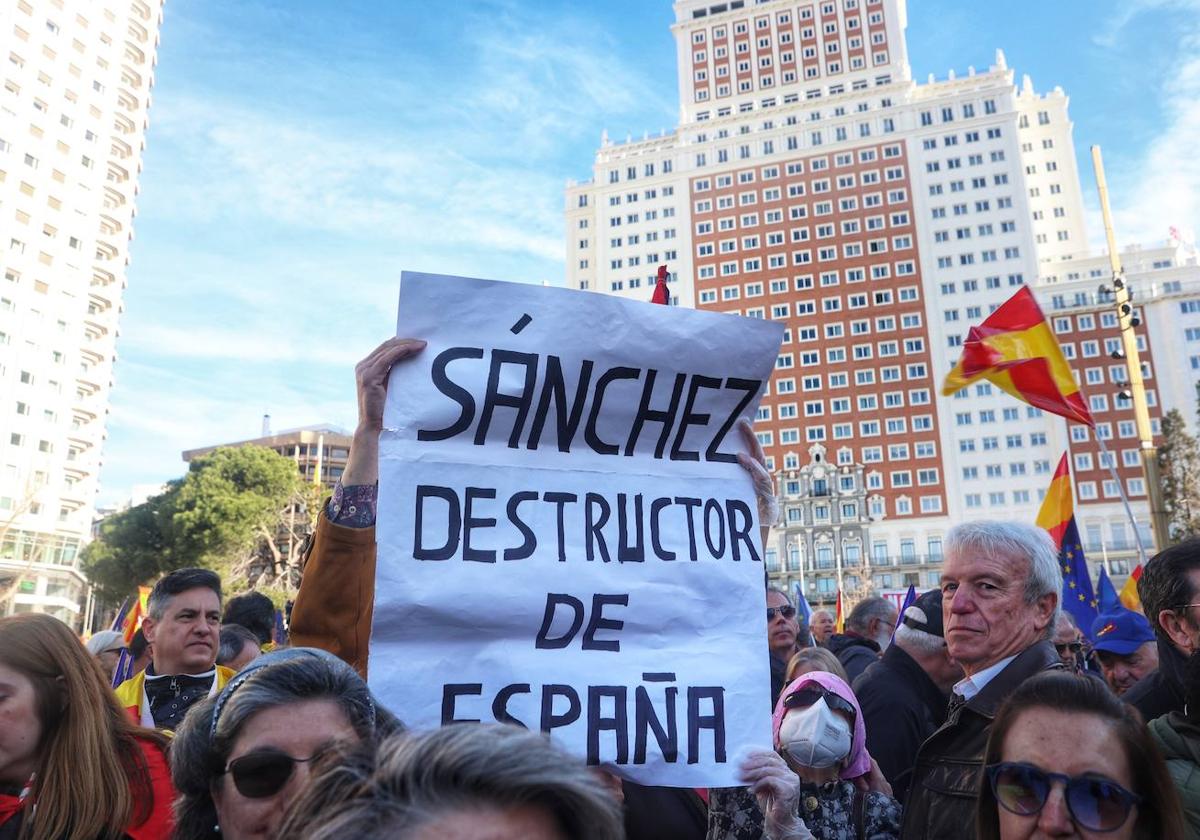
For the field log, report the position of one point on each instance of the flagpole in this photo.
(1112, 468)
(1137, 390)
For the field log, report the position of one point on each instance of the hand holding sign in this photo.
(566, 540)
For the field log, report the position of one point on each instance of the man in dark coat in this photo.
(868, 631)
(1170, 591)
(1000, 597)
(903, 696)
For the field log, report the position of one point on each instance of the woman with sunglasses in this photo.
(814, 784)
(241, 757)
(72, 764)
(1066, 758)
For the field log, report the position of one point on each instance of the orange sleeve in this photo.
(337, 593)
(159, 824)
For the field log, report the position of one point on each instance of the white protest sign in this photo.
(565, 537)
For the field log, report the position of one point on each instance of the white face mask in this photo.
(816, 736)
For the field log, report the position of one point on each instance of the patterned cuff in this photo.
(353, 506)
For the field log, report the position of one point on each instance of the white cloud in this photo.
(1160, 187)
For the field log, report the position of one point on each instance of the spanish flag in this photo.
(1015, 349)
(133, 619)
(1129, 592)
(839, 623)
(1057, 517)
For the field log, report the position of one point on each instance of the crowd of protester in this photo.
(981, 710)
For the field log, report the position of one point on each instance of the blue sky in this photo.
(301, 154)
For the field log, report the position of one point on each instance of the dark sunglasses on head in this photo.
(1095, 803)
(786, 611)
(263, 773)
(811, 693)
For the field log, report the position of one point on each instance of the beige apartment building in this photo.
(73, 114)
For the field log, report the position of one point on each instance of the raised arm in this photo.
(333, 609)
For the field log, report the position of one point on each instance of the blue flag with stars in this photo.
(1078, 597)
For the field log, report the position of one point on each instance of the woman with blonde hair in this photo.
(815, 659)
(72, 764)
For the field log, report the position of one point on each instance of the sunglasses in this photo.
(810, 694)
(1095, 803)
(1074, 647)
(785, 611)
(263, 773)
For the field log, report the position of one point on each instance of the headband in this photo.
(280, 657)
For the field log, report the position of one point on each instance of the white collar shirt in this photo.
(968, 687)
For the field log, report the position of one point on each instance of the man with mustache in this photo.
(183, 629)
(1000, 598)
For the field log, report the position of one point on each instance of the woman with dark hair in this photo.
(1066, 758)
(73, 766)
(241, 757)
(473, 780)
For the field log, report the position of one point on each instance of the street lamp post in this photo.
(1137, 388)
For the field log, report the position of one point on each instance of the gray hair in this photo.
(204, 741)
(178, 582)
(1066, 617)
(411, 781)
(1016, 539)
(866, 610)
(104, 640)
(912, 640)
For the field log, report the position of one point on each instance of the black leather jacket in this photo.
(948, 772)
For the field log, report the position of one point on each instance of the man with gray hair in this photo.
(182, 626)
(868, 632)
(1000, 599)
(903, 695)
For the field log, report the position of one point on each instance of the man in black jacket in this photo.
(868, 631)
(1000, 597)
(903, 696)
(1169, 589)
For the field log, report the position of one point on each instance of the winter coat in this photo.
(1179, 740)
(854, 652)
(949, 769)
(829, 811)
(901, 707)
(1160, 692)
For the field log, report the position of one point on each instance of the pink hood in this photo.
(859, 760)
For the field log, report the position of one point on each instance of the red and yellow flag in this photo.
(1129, 594)
(139, 610)
(1058, 508)
(1015, 349)
(839, 624)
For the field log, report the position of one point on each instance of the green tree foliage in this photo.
(1179, 467)
(219, 516)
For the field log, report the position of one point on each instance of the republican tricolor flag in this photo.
(1057, 517)
(1015, 349)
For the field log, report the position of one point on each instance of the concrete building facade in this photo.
(812, 181)
(73, 117)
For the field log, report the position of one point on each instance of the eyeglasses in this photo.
(787, 611)
(1095, 803)
(1074, 647)
(263, 773)
(811, 693)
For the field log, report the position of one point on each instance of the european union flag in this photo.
(1078, 597)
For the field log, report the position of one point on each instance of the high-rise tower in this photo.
(812, 181)
(73, 115)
